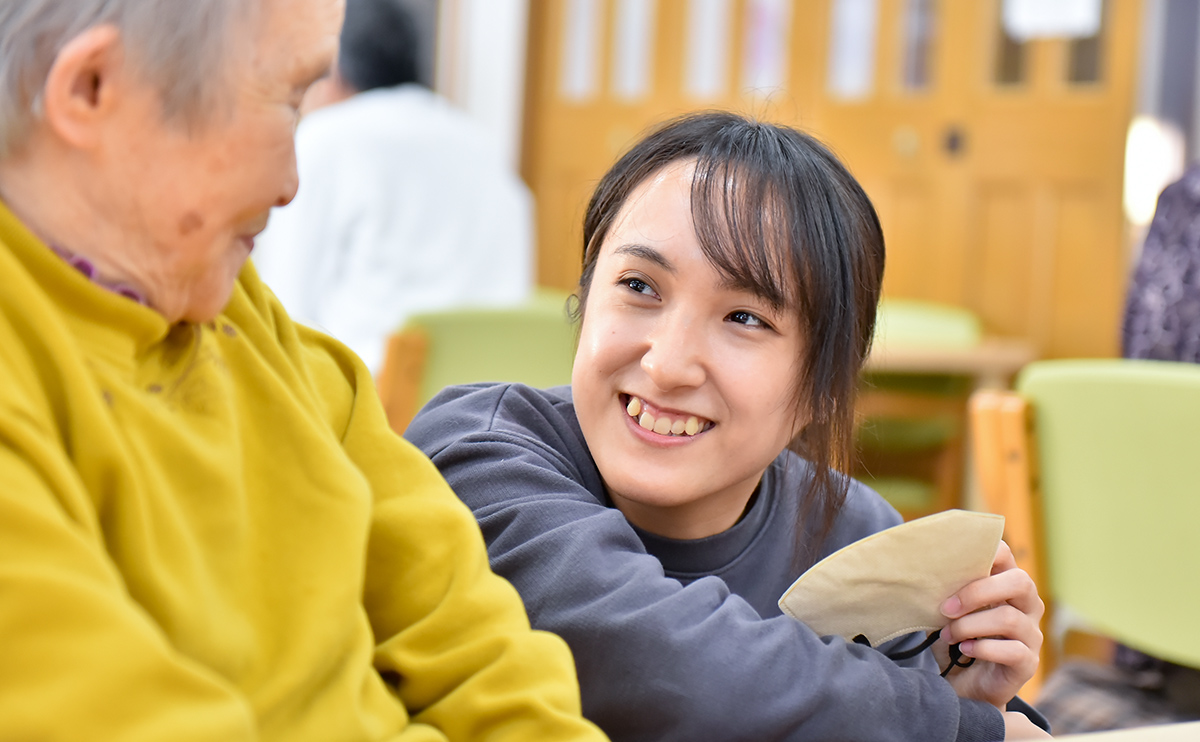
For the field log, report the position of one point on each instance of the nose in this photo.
(289, 180)
(675, 354)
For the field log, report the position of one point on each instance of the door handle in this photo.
(954, 141)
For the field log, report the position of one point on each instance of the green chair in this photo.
(910, 429)
(1094, 465)
(532, 343)
(926, 324)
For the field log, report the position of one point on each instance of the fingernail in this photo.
(967, 647)
(951, 607)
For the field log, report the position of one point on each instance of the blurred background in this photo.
(1013, 148)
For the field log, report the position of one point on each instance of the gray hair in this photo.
(179, 46)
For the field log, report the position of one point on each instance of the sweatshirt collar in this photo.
(107, 312)
(709, 555)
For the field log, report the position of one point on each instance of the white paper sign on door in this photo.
(1040, 19)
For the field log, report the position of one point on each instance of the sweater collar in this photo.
(88, 269)
(709, 555)
(106, 311)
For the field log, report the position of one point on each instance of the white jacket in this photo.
(404, 205)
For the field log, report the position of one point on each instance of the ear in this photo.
(82, 85)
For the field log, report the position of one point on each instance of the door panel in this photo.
(1087, 265)
(903, 207)
(999, 277)
(996, 166)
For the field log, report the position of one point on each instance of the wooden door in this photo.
(602, 71)
(886, 119)
(1045, 250)
(996, 166)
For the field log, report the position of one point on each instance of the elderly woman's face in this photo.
(200, 197)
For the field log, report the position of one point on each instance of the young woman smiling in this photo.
(653, 512)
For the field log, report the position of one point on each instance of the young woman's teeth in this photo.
(662, 425)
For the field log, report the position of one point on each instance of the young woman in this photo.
(652, 513)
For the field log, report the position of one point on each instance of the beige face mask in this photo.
(894, 582)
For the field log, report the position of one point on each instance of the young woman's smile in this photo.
(683, 383)
(659, 426)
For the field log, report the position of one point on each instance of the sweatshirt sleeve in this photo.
(658, 660)
(453, 639)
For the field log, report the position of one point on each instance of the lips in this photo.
(252, 231)
(664, 422)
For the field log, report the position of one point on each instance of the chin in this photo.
(657, 492)
(207, 306)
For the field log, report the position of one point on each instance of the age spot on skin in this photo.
(190, 222)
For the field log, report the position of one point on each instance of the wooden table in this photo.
(991, 364)
(1186, 732)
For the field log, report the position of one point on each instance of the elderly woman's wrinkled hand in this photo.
(994, 620)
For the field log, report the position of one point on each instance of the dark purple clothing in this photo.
(1162, 312)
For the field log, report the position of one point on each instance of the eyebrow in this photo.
(648, 254)
(733, 284)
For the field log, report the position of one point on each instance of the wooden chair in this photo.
(1094, 466)
(910, 431)
(532, 343)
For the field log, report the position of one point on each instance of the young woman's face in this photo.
(684, 385)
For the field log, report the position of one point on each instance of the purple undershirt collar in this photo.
(88, 269)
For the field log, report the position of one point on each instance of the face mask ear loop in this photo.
(955, 655)
(907, 654)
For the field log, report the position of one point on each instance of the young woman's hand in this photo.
(995, 620)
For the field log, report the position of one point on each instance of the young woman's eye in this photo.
(638, 285)
(742, 317)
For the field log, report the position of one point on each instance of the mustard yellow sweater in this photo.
(210, 533)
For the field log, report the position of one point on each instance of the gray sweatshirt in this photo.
(677, 640)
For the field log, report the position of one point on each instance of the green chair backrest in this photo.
(910, 323)
(533, 343)
(1118, 446)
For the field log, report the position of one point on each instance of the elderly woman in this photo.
(207, 531)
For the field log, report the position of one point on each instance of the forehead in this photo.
(661, 202)
(295, 38)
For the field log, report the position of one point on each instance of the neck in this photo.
(53, 202)
(689, 521)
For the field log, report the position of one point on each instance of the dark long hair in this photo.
(777, 214)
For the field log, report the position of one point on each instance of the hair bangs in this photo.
(742, 224)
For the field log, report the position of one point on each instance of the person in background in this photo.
(207, 529)
(653, 512)
(405, 203)
(1162, 310)
(1162, 323)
